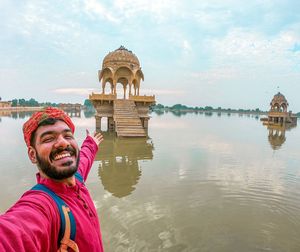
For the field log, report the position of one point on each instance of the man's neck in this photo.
(71, 181)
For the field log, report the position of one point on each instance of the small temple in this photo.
(127, 115)
(279, 114)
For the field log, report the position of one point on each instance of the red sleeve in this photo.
(32, 224)
(87, 155)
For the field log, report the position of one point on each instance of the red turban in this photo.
(33, 122)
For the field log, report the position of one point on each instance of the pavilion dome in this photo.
(279, 99)
(119, 56)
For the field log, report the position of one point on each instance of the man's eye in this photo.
(47, 139)
(69, 137)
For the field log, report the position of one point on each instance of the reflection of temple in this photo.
(278, 114)
(119, 162)
(126, 115)
(276, 136)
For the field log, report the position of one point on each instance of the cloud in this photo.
(215, 74)
(156, 9)
(95, 9)
(163, 92)
(186, 46)
(74, 91)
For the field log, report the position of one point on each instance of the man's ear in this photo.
(32, 154)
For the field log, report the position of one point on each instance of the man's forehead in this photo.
(57, 127)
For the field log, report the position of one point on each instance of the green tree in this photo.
(22, 102)
(14, 103)
(32, 103)
(87, 103)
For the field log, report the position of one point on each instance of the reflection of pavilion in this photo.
(276, 136)
(119, 169)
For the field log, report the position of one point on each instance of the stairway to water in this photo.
(127, 121)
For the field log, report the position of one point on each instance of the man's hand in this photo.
(97, 137)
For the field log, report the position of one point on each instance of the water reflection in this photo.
(277, 135)
(16, 114)
(119, 158)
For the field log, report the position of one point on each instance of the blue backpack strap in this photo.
(59, 203)
(79, 177)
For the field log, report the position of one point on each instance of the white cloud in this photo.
(186, 46)
(215, 74)
(157, 9)
(162, 92)
(74, 91)
(254, 48)
(95, 9)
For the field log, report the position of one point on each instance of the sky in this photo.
(220, 53)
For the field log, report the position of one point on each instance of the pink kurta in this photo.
(32, 224)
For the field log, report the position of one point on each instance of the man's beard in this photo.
(51, 171)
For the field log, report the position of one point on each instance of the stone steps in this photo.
(127, 121)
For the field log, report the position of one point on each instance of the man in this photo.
(34, 222)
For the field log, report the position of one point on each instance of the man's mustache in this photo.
(57, 151)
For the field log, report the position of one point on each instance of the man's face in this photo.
(56, 151)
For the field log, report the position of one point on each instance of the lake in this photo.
(200, 182)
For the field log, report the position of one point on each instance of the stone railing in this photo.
(106, 97)
(278, 114)
(142, 98)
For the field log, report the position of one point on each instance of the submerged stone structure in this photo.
(279, 114)
(127, 114)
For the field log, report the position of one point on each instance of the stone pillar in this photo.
(103, 87)
(145, 124)
(129, 89)
(115, 86)
(110, 124)
(98, 123)
(124, 88)
(111, 88)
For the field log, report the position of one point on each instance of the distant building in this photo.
(278, 113)
(5, 104)
(72, 109)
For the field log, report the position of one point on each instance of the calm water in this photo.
(199, 183)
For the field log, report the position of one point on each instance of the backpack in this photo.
(67, 230)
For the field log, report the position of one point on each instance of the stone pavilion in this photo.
(127, 111)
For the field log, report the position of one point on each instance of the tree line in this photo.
(182, 107)
(31, 103)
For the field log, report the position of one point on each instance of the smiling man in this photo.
(58, 213)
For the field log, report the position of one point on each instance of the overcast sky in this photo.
(226, 53)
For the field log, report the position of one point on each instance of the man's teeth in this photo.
(62, 156)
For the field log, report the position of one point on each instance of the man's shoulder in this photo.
(36, 201)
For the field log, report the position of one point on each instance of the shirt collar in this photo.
(55, 186)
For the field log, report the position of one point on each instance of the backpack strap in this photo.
(79, 177)
(66, 242)
(67, 230)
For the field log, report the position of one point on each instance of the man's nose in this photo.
(61, 142)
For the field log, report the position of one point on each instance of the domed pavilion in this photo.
(278, 113)
(120, 101)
